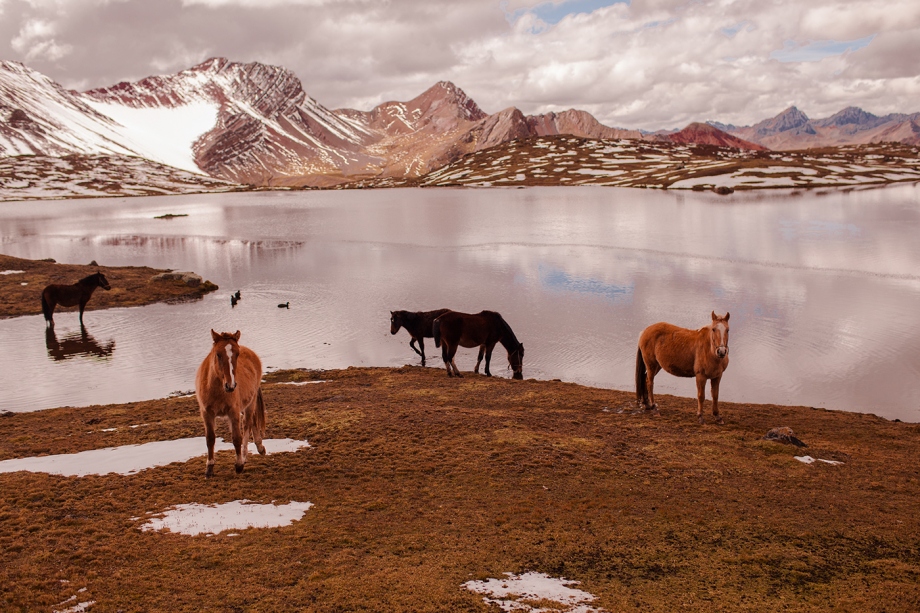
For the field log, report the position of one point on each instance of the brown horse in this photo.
(71, 295)
(483, 330)
(417, 324)
(228, 385)
(699, 353)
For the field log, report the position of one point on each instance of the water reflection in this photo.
(76, 344)
(823, 290)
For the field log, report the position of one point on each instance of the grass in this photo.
(131, 286)
(422, 483)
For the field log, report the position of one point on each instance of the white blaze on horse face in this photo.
(720, 338)
(229, 350)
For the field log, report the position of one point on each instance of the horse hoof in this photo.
(239, 468)
(459, 375)
(702, 421)
(719, 420)
(261, 449)
(209, 472)
(488, 374)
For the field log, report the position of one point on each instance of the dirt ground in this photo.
(421, 483)
(131, 286)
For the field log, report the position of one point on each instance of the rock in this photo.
(723, 190)
(189, 278)
(93, 263)
(49, 260)
(784, 435)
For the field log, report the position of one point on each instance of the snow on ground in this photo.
(194, 519)
(302, 382)
(165, 135)
(130, 459)
(525, 593)
(12, 272)
(807, 459)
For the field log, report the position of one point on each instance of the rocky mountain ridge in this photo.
(253, 123)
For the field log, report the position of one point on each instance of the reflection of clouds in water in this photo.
(556, 279)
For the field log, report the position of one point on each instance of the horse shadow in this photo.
(76, 344)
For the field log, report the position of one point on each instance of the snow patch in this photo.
(194, 519)
(807, 459)
(165, 135)
(131, 459)
(524, 592)
(12, 272)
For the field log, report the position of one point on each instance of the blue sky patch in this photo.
(552, 13)
(559, 280)
(817, 50)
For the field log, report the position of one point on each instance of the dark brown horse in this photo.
(702, 354)
(228, 384)
(483, 330)
(71, 295)
(417, 324)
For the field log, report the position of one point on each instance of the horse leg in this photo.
(237, 436)
(445, 355)
(82, 307)
(651, 370)
(715, 400)
(700, 396)
(421, 344)
(453, 364)
(412, 344)
(209, 438)
(489, 349)
(482, 352)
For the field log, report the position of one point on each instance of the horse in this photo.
(481, 330)
(228, 385)
(71, 295)
(702, 354)
(418, 325)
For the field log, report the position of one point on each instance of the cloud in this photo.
(645, 63)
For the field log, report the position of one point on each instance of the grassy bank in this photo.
(421, 483)
(20, 293)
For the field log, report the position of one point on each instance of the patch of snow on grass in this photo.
(598, 172)
(130, 459)
(194, 519)
(526, 592)
(12, 272)
(302, 382)
(807, 459)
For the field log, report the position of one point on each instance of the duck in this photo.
(237, 295)
(233, 300)
(286, 305)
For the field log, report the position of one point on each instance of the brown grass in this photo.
(131, 286)
(422, 483)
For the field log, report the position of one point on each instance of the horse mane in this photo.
(88, 279)
(508, 339)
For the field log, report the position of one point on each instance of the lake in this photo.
(823, 286)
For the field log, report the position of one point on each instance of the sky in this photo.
(650, 64)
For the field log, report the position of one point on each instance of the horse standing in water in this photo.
(71, 295)
(699, 353)
(228, 385)
(417, 324)
(483, 330)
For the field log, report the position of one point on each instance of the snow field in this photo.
(194, 519)
(516, 592)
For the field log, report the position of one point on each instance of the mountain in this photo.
(792, 129)
(706, 134)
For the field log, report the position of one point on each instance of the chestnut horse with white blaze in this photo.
(228, 385)
(702, 354)
(483, 330)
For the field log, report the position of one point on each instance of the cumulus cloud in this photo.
(645, 63)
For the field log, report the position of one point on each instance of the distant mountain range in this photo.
(253, 123)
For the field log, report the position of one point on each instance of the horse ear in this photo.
(727, 314)
(215, 335)
(236, 336)
(714, 316)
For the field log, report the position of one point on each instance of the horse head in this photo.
(516, 360)
(718, 335)
(395, 321)
(226, 352)
(102, 282)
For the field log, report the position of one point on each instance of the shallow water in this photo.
(823, 287)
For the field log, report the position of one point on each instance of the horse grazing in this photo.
(483, 330)
(699, 353)
(71, 295)
(418, 325)
(228, 385)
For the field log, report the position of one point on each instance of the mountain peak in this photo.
(445, 92)
(790, 119)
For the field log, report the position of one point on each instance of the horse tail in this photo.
(641, 377)
(46, 308)
(436, 331)
(258, 417)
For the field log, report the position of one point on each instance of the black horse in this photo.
(482, 330)
(71, 295)
(418, 325)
